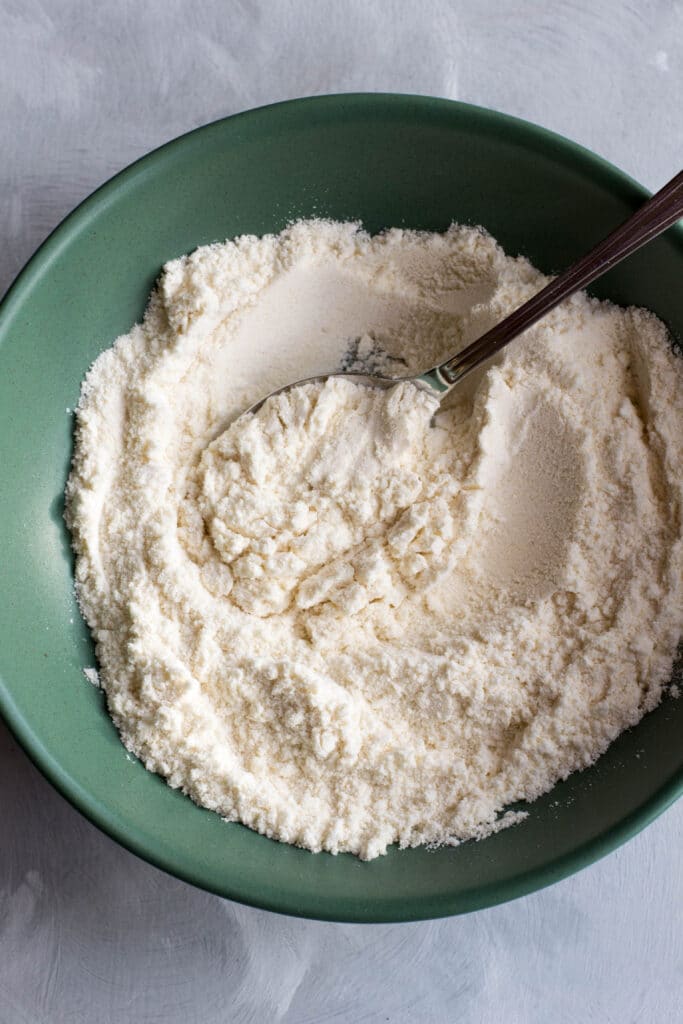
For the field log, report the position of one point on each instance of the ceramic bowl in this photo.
(386, 160)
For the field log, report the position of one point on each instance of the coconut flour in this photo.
(333, 620)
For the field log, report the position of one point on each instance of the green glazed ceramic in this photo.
(387, 160)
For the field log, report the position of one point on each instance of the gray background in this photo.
(88, 932)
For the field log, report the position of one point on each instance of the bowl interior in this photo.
(386, 160)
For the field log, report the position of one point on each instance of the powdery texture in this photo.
(333, 622)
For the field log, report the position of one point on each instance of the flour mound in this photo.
(353, 618)
(323, 496)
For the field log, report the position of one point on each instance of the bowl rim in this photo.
(333, 106)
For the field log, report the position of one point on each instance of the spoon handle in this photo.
(659, 212)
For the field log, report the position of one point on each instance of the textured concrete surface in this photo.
(88, 933)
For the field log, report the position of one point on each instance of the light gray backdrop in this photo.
(88, 933)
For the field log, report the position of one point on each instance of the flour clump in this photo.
(354, 618)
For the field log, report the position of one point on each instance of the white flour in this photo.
(333, 622)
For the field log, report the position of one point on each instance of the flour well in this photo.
(334, 622)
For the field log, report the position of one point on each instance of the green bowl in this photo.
(387, 160)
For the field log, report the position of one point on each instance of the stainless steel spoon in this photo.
(659, 212)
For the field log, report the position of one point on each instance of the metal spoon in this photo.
(655, 215)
